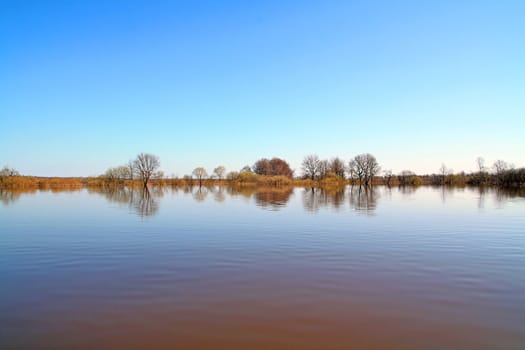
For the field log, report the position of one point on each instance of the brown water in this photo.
(425, 268)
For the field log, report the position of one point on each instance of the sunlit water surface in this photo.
(210, 268)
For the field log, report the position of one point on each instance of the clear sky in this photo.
(85, 85)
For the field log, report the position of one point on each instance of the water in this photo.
(424, 268)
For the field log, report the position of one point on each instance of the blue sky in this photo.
(85, 85)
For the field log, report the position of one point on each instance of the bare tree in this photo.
(388, 175)
(232, 175)
(145, 166)
(443, 171)
(200, 173)
(219, 172)
(500, 166)
(373, 168)
(7, 171)
(482, 176)
(364, 167)
(324, 168)
(337, 166)
(311, 166)
(131, 168)
(117, 174)
(481, 164)
(356, 171)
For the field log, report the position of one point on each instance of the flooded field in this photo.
(222, 268)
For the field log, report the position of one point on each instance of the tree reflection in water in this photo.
(10, 197)
(200, 194)
(316, 198)
(502, 195)
(141, 201)
(363, 199)
(144, 203)
(117, 195)
(243, 192)
(219, 195)
(408, 190)
(273, 199)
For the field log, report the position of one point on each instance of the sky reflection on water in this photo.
(231, 268)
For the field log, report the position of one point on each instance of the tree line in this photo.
(362, 169)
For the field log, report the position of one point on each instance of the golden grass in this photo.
(245, 179)
(42, 183)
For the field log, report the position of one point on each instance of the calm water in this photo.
(394, 268)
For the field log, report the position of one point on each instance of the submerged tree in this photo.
(387, 176)
(372, 169)
(310, 165)
(337, 166)
(145, 166)
(480, 161)
(200, 173)
(219, 172)
(356, 171)
(364, 167)
(512, 178)
(481, 177)
(500, 166)
(324, 168)
(443, 172)
(130, 165)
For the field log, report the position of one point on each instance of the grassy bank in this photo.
(511, 178)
